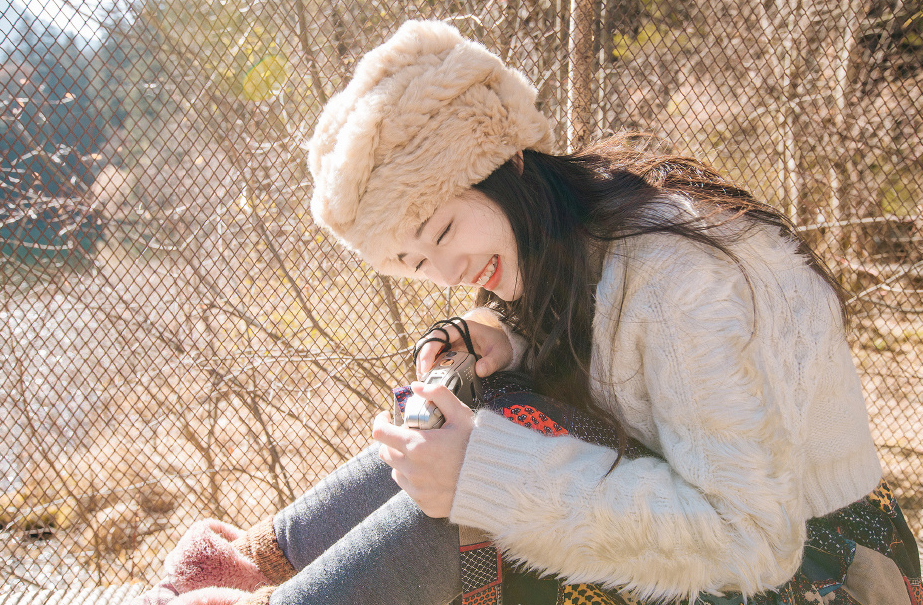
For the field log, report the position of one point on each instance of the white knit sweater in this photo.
(747, 390)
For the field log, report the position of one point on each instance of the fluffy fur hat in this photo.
(426, 115)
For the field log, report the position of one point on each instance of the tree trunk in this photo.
(783, 54)
(579, 74)
(847, 30)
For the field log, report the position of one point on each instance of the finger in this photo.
(485, 366)
(390, 456)
(450, 405)
(416, 494)
(407, 486)
(400, 479)
(431, 350)
(398, 439)
(493, 357)
(427, 357)
(494, 360)
(385, 431)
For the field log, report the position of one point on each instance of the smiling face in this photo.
(469, 242)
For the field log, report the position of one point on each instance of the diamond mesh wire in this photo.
(178, 339)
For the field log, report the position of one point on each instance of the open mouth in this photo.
(488, 271)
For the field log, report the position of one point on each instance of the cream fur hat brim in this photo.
(426, 115)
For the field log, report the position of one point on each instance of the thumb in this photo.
(493, 359)
(225, 530)
(487, 365)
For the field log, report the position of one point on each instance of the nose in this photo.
(446, 272)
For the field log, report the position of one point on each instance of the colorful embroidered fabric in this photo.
(854, 536)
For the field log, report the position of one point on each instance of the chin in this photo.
(507, 296)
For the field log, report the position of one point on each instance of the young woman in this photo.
(646, 297)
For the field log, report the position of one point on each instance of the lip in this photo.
(495, 278)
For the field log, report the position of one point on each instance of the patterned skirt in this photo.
(862, 554)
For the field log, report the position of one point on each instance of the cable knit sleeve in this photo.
(721, 511)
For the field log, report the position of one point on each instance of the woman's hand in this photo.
(490, 344)
(427, 463)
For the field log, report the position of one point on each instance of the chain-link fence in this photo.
(179, 341)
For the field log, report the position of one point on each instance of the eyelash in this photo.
(443, 234)
(438, 241)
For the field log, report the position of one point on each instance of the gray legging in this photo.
(357, 539)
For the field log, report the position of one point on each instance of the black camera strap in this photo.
(438, 333)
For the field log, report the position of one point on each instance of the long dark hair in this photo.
(564, 210)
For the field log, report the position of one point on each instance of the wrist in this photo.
(491, 318)
(259, 544)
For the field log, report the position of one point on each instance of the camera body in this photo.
(453, 370)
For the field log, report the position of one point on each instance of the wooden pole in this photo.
(579, 74)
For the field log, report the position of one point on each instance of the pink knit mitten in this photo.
(213, 555)
(161, 593)
(204, 557)
(224, 596)
(211, 596)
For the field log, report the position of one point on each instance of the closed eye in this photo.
(444, 233)
(439, 239)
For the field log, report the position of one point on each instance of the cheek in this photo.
(512, 253)
(512, 276)
(403, 272)
(514, 288)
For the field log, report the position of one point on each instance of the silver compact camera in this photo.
(453, 370)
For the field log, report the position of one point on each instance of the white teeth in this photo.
(485, 277)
